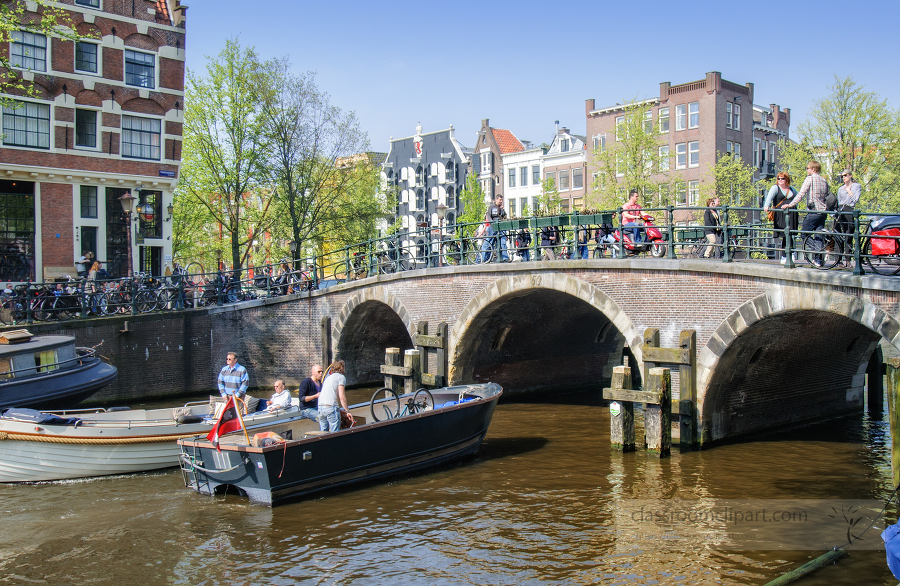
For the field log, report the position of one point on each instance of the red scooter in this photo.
(653, 241)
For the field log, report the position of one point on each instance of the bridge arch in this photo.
(523, 330)
(786, 356)
(370, 321)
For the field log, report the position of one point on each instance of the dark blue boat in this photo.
(448, 426)
(49, 372)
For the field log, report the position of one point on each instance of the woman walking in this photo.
(712, 227)
(782, 218)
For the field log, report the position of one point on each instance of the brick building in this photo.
(487, 158)
(698, 120)
(105, 120)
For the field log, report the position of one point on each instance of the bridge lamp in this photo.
(293, 246)
(441, 210)
(127, 202)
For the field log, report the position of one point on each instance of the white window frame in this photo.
(693, 192)
(729, 114)
(694, 112)
(771, 151)
(664, 116)
(579, 173)
(564, 145)
(681, 155)
(664, 156)
(511, 173)
(648, 122)
(736, 120)
(19, 38)
(694, 153)
(154, 81)
(97, 124)
(523, 176)
(680, 117)
(563, 173)
(486, 162)
(99, 59)
(620, 122)
(16, 114)
(124, 130)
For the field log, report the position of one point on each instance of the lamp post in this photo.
(293, 246)
(127, 202)
(441, 210)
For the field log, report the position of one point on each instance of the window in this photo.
(88, 201)
(86, 128)
(512, 206)
(681, 193)
(150, 225)
(524, 176)
(46, 361)
(733, 148)
(771, 151)
(694, 115)
(577, 178)
(534, 205)
(86, 57)
(17, 230)
(420, 176)
(736, 121)
(681, 117)
(681, 155)
(512, 177)
(648, 122)
(524, 207)
(486, 162)
(140, 69)
(535, 174)
(451, 197)
(564, 145)
(600, 142)
(420, 199)
(89, 239)
(729, 115)
(694, 154)
(564, 179)
(27, 125)
(551, 177)
(28, 50)
(449, 172)
(756, 152)
(664, 120)
(664, 158)
(693, 192)
(620, 167)
(141, 137)
(620, 125)
(90, 3)
(762, 153)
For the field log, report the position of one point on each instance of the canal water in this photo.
(544, 502)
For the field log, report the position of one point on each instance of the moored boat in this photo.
(37, 446)
(450, 425)
(48, 372)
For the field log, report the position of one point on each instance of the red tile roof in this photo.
(507, 141)
(162, 12)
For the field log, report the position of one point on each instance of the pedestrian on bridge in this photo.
(779, 195)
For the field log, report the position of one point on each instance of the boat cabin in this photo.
(39, 355)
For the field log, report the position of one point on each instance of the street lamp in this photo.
(293, 246)
(127, 202)
(441, 210)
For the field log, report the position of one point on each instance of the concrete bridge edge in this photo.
(783, 300)
(556, 281)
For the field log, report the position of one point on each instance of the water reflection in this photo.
(541, 503)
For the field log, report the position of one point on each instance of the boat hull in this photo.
(273, 475)
(60, 389)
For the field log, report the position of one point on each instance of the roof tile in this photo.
(507, 141)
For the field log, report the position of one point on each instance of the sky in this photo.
(526, 64)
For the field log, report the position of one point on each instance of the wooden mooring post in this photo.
(413, 374)
(685, 356)
(657, 412)
(893, 395)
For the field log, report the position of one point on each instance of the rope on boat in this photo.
(93, 440)
(187, 460)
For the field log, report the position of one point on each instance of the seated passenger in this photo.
(281, 399)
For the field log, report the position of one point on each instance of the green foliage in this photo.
(850, 129)
(549, 200)
(730, 179)
(225, 148)
(631, 159)
(473, 203)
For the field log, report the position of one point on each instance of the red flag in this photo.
(229, 420)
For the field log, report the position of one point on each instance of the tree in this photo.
(308, 136)
(47, 20)
(473, 204)
(633, 160)
(731, 180)
(225, 147)
(549, 200)
(850, 129)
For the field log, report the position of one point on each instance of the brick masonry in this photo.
(775, 346)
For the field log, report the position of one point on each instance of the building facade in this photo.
(425, 170)
(491, 146)
(565, 163)
(523, 171)
(698, 121)
(104, 120)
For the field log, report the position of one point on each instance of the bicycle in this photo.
(824, 248)
(387, 402)
(880, 252)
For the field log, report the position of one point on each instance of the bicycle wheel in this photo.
(405, 263)
(102, 304)
(61, 309)
(422, 401)
(882, 264)
(821, 250)
(598, 252)
(385, 404)
(7, 312)
(145, 301)
(193, 268)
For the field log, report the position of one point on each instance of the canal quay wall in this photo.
(775, 346)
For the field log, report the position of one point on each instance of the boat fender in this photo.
(119, 408)
(266, 438)
(188, 419)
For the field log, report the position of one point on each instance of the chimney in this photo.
(589, 107)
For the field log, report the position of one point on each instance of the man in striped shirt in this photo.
(814, 189)
(233, 378)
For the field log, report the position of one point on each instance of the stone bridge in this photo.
(775, 345)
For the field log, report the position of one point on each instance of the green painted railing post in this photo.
(857, 245)
(788, 241)
(134, 310)
(621, 233)
(29, 313)
(726, 249)
(346, 264)
(670, 215)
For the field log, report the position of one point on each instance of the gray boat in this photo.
(48, 372)
(391, 435)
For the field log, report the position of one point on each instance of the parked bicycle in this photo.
(385, 404)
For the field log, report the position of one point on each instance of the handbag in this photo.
(770, 215)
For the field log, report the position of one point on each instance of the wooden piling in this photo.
(391, 381)
(621, 420)
(412, 361)
(658, 416)
(688, 438)
(875, 381)
(893, 393)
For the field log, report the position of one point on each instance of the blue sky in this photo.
(527, 64)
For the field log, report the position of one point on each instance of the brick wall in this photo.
(56, 226)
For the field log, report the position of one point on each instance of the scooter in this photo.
(653, 242)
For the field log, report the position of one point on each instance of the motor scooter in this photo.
(653, 241)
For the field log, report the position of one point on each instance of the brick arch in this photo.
(142, 42)
(88, 98)
(831, 334)
(363, 329)
(519, 285)
(144, 106)
(89, 30)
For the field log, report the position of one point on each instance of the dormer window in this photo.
(564, 145)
